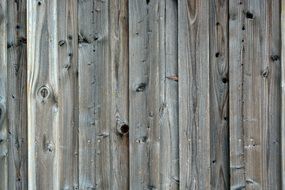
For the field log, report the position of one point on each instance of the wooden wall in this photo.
(142, 94)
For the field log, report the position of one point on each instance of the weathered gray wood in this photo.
(168, 85)
(236, 56)
(67, 37)
(103, 94)
(219, 91)
(194, 120)
(3, 97)
(283, 90)
(145, 107)
(17, 113)
(52, 113)
(43, 90)
(254, 64)
(119, 90)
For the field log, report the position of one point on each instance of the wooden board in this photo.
(194, 85)
(254, 94)
(17, 94)
(3, 97)
(103, 94)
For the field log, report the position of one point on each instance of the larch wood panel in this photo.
(254, 65)
(94, 129)
(283, 90)
(144, 94)
(194, 87)
(51, 92)
(67, 37)
(168, 85)
(219, 92)
(119, 86)
(236, 56)
(3, 97)
(17, 113)
(103, 94)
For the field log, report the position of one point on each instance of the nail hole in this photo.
(217, 54)
(39, 3)
(147, 1)
(217, 24)
(243, 27)
(124, 129)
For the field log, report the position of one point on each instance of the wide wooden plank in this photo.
(168, 85)
(52, 94)
(255, 68)
(194, 68)
(3, 97)
(17, 113)
(103, 94)
(219, 93)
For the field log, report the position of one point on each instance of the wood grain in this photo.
(254, 65)
(3, 97)
(17, 90)
(194, 85)
(219, 91)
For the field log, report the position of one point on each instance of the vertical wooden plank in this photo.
(219, 90)
(271, 93)
(236, 57)
(17, 113)
(254, 65)
(194, 67)
(283, 90)
(43, 90)
(68, 95)
(52, 96)
(3, 97)
(119, 86)
(103, 109)
(86, 84)
(168, 85)
(144, 94)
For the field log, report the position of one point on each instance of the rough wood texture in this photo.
(194, 112)
(168, 85)
(17, 89)
(3, 97)
(145, 106)
(103, 109)
(142, 94)
(254, 65)
(52, 113)
(219, 91)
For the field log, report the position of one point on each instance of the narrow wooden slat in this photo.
(194, 67)
(68, 95)
(219, 91)
(3, 97)
(168, 116)
(145, 107)
(236, 56)
(283, 90)
(119, 86)
(17, 113)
